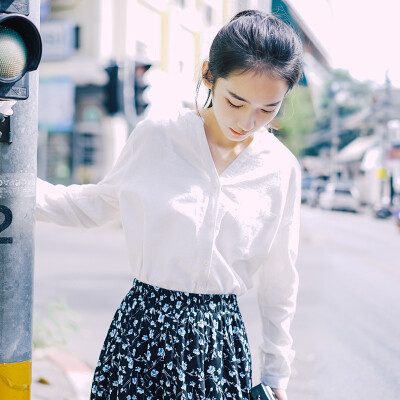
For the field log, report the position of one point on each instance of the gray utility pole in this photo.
(385, 196)
(334, 133)
(17, 223)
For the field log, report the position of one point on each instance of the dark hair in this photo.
(258, 42)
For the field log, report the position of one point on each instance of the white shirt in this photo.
(189, 229)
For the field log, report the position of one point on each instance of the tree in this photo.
(349, 94)
(296, 119)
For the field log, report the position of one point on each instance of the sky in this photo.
(362, 36)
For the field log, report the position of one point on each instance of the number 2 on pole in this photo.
(5, 224)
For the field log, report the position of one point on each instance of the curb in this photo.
(78, 374)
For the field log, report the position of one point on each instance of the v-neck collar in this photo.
(207, 151)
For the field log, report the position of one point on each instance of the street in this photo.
(345, 330)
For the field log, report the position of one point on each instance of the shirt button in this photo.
(210, 223)
(205, 262)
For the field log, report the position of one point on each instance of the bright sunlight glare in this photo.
(360, 36)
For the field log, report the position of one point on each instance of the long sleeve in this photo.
(86, 205)
(278, 291)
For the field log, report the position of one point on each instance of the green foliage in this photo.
(301, 114)
(350, 96)
(296, 119)
(53, 329)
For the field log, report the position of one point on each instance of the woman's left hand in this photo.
(280, 394)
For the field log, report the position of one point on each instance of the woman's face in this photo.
(246, 102)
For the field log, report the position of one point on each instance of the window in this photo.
(208, 14)
(243, 5)
(343, 192)
(181, 3)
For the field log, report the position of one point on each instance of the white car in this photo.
(340, 196)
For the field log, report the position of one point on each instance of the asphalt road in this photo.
(345, 331)
(347, 326)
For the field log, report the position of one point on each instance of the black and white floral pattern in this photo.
(165, 344)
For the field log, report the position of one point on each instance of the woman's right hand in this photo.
(280, 394)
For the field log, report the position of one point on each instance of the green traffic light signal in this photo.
(20, 52)
(13, 54)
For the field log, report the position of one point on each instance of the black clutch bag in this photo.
(262, 392)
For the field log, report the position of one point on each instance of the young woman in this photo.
(208, 200)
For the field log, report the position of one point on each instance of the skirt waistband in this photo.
(178, 299)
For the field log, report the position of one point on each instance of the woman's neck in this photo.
(215, 136)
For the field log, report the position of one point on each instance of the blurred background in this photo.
(107, 64)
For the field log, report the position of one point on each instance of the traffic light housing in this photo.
(113, 100)
(20, 49)
(141, 85)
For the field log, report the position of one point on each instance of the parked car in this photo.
(313, 194)
(382, 211)
(396, 216)
(305, 187)
(340, 196)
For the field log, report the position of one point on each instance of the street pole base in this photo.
(15, 380)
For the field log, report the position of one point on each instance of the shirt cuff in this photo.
(275, 382)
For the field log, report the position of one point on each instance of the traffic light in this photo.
(20, 49)
(141, 84)
(113, 96)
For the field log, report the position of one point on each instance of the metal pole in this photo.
(384, 142)
(334, 135)
(17, 223)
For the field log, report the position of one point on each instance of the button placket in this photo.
(210, 222)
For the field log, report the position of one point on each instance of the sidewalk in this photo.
(59, 375)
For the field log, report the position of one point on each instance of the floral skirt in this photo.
(166, 344)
